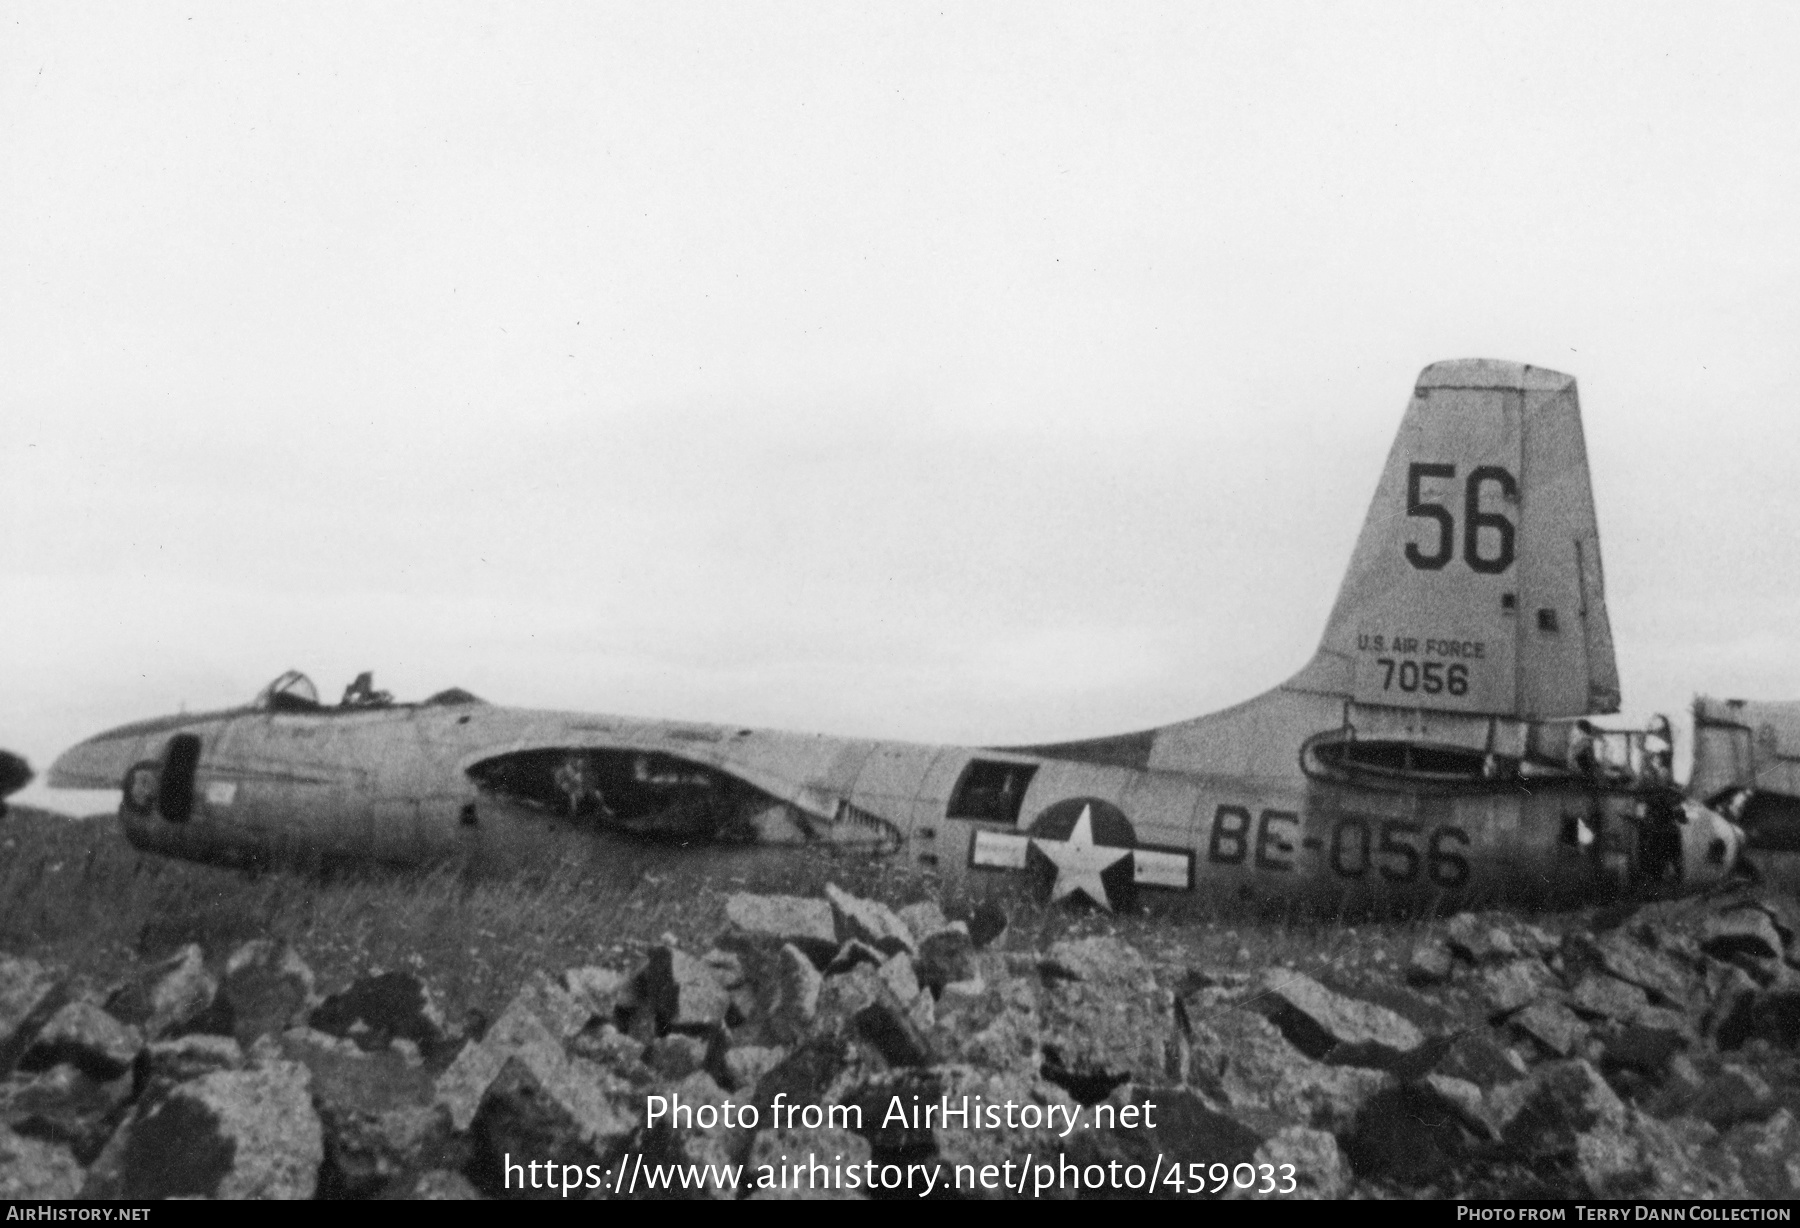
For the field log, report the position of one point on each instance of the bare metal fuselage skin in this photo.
(1427, 756)
(1747, 761)
(399, 784)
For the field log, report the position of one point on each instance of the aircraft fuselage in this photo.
(1434, 751)
(414, 783)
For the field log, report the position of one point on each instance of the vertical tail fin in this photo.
(1476, 584)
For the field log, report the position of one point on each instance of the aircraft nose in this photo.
(98, 763)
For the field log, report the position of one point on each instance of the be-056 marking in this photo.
(1397, 850)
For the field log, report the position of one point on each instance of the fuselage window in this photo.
(1408, 760)
(176, 797)
(990, 791)
(1447, 761)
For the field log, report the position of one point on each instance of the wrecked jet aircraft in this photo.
(1426, 756)
(1747, 766)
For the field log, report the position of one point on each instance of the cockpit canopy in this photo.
(292, 692)
(295, 692)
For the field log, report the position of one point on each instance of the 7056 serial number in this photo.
(1431, 677)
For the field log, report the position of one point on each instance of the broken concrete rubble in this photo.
(1600, 996)
(557, 1112)
(166, 997)
(1313, 1158)
(1768, 1154)
(681, 992)
(1515, 985)
(266, 987)
(1733, 1095)
(169, 1062)
(229, 1134)
(1412, 1133)
(65, 1105)
(1542, 1114)
(1479, 941)
(807, 923)
(531, 1032)
(1103, 1019)
(1333, 1027)
(986, 923)
(777, 1158)
(32, 1170)
(947, 954)
(870, 922)
(29, 996)
(1654, 1059)
(1747, 931)
(1477, 1057)
(854, 951)
(1775, 1015)
(600, 990)
(1641, 1049)
(924, 919)
(1556, 1028)
(1238, 1059)
(745, 1065)
(1623, 956)
(378, 1008)
(86, 1037)
(1431, 963)
(675, 1056)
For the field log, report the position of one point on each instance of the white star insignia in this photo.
(1079, 861)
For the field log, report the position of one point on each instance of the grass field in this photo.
(74, 893)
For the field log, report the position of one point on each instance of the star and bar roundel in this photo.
(1084, 847)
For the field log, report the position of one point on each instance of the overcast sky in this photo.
(974, 372)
